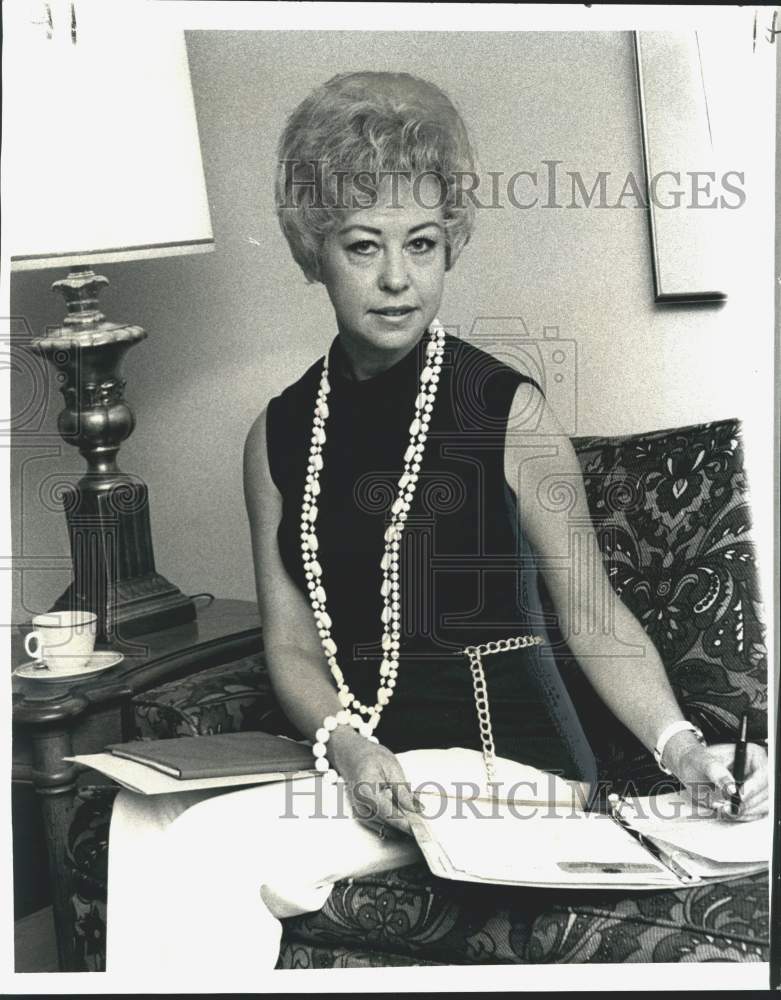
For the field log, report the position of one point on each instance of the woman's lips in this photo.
(394, 312)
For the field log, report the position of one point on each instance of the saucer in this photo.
(98, 661)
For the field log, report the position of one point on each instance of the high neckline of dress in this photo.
(398, 373)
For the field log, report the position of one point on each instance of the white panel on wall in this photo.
(687, 235)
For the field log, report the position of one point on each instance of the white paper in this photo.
(674, 819)
(434, 771)
(533, 850)
(524, 839)
(147, 781)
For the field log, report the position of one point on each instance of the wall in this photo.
(230, 329)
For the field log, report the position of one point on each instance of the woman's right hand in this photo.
(379, 792)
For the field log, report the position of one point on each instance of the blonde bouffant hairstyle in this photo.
(356, 127)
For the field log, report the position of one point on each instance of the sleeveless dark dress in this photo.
(466, 567)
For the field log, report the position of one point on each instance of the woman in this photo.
(390, 492)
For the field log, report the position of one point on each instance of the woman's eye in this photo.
(422, 244)
(363, 248)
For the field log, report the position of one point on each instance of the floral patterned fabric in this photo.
(232, 698)
(88, 857)
(673, 524)
(672, 519)
(674, 529)
(409, 913)
(720, 922)
(295, 955)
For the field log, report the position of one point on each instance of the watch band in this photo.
(667, 734)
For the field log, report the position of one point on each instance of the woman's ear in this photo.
(314, 274)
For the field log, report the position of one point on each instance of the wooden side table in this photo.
(56, 720)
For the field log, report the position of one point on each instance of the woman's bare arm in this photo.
(611, 646)
(296, 663)
(297, 666)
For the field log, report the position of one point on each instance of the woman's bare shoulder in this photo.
(257, 429)
(282, 410)
(537, 441)
(531, 413)
(257, 476)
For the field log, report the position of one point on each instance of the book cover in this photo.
(218, 755)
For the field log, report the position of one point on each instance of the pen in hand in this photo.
(739, 765)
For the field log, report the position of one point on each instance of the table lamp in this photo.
(103, 165)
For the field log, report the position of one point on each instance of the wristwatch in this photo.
(667, 734)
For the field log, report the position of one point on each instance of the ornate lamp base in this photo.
(113, 561)
(107, 511)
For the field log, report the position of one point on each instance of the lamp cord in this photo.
(194, 597)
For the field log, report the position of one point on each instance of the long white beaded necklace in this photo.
(389, 564)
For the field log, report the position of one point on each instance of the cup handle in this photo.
(36, 654)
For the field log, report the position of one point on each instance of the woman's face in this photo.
(384, 269)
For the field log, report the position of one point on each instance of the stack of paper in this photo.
(536, 831)
(707, 844)
(584, 849)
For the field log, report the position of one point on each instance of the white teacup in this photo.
(64, 640)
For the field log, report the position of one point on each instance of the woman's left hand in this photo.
(707, 774)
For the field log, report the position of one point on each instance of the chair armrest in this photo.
(230, 698)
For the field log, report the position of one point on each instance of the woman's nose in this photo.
(393, 275)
